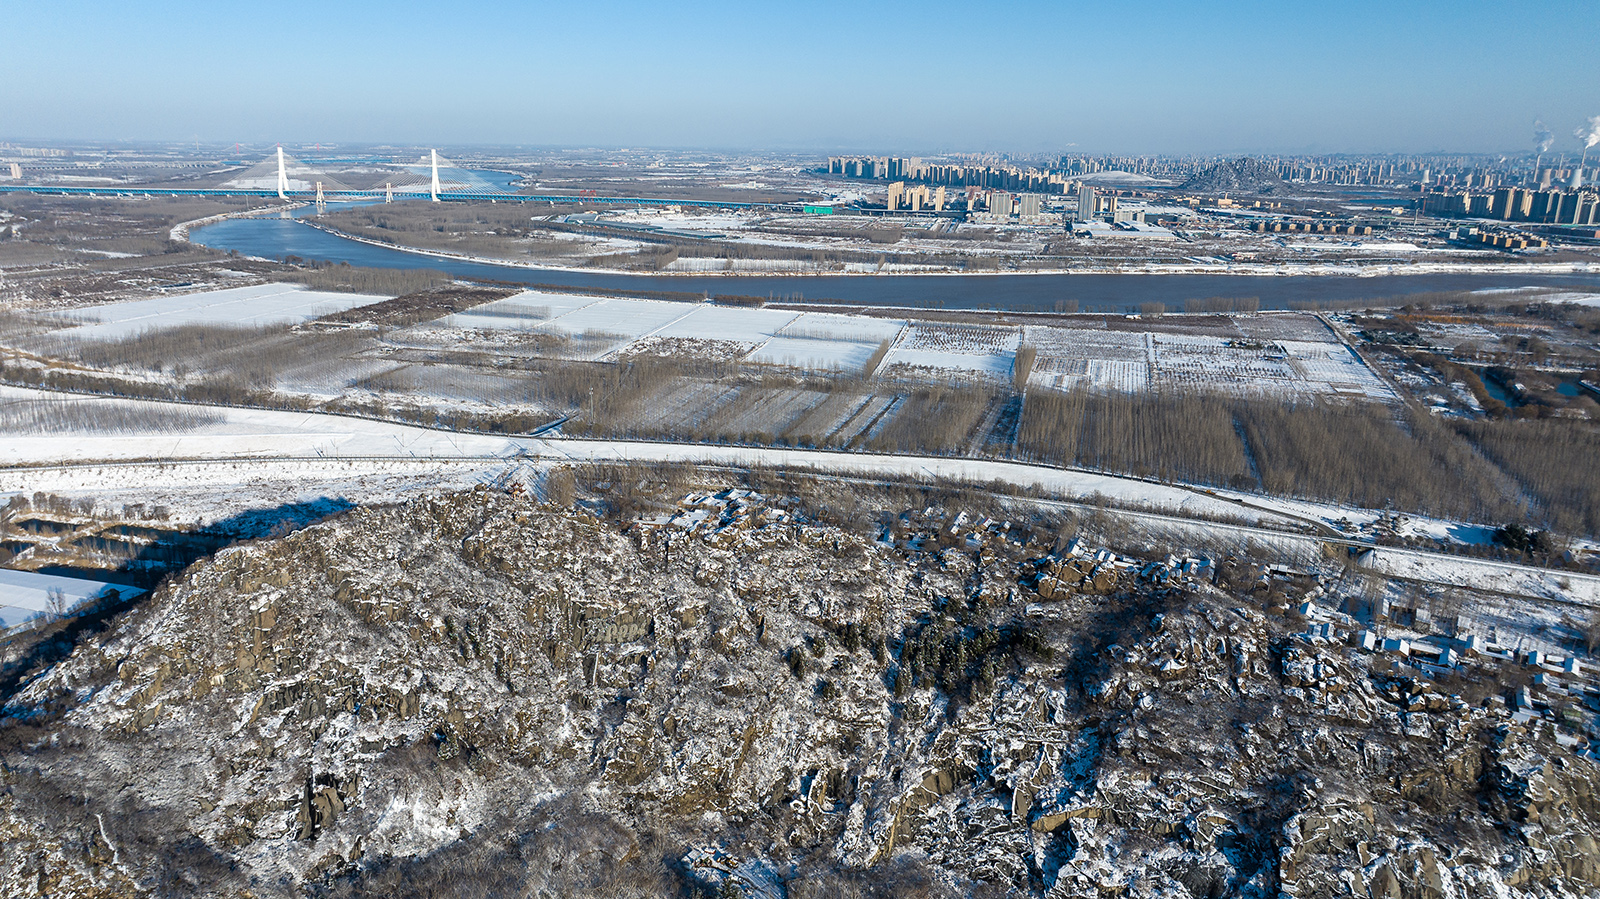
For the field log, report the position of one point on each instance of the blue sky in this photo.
(1022, 77)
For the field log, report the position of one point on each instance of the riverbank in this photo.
(1323, 269)
(180, 231)
(1099, 290)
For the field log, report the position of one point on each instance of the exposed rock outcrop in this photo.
(431, 688)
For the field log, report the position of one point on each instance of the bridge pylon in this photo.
(388, 192)
(283, 177)
(322, 202)
(435, 186)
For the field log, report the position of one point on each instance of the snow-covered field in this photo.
(237, 434)
(817, 340)
(810, 353)
(273, 457)
(1133, 361)
(258, 304)
(974, 348)
(1282, 354)
(527, 311)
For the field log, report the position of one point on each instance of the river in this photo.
(275, 238)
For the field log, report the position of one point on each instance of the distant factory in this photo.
(1519, 204)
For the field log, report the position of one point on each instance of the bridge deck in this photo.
(457, 196)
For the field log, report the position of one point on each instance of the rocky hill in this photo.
(1236, 176)
(478, 695)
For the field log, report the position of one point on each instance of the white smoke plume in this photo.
(1590, 133)
(1542, 138)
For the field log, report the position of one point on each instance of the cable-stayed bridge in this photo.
(431, 177)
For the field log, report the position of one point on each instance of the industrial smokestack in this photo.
(1590, 135)
(1542, 139)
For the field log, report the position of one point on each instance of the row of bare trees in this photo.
(1364, 454)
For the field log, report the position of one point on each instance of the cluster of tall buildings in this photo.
(1518, 204)
(1059, 176)
(997, 176)
(1508, 189)
(1091, 204)
(915, 199)
(1487, 179)
(921, 197)
(878, 167)
(1163, 167)
(1005, 204)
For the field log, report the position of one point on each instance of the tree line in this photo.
(1362, 454)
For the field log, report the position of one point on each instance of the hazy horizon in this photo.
(1021, 78)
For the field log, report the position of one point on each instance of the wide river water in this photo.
(275, 238)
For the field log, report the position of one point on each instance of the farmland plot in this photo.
(956, 347)
(868, 420)
(827, 341)
(529, 310)
(817, 426)
(1130, 362)
(849, 328)
(873, 420)
(1072, 359)
(764, 411)
(813, 354)
(683, 407)
(457, 384)
(1211, 364)
(1449, 335)
(329, 376)
(256, 305)
(708, 320)
(1334, 367)
(627, 318)
(1283, 326)
(700, 349)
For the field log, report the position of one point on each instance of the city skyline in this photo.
(1223, 78)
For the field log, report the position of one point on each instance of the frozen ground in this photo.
(258, 304)
(1287, 354)
(238, 434)
(975, 348)
(1582, 299)
(1132, 361)
(1281, 354)
(322, 453)
(810, 353)
(817, 340)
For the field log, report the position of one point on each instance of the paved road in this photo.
(1187, 519)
